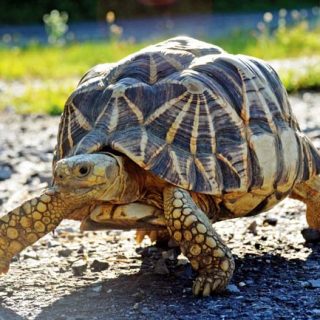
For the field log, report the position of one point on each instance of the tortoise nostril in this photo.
(60, 176)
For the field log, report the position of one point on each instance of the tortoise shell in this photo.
(194, 115)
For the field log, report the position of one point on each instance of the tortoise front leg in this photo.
(191, 228)
(26, 224)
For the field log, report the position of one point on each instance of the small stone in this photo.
(311, 235)
(148, 252)
(316, 312)
(31, 255)
(5, 172)
(272, 221)
(305, 284)
(253, 228)
(136, 306)
(65, 253)
(98, 265)
(232, 288)
(257, 246)
(53, 243)
(97, 289)
(169, 255)
(182, 260)
(315, 283)
(81, 250)
(161, 267)
(62, 270)
(242, 284)
(79, 267)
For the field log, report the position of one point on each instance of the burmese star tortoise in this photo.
(174, 137)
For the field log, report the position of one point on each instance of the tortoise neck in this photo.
(129, 183)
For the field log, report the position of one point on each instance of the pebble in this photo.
(232, 288)
(52, 244)
(253, 227)
(182, 260)
(272, 221)
(5, 172)
(99, 265)
(316, 312)
(311, 235)
(97, 288)
(148, 252)
(79, 267)
(31, 255)
(305, 284)
(65, 252)
(315, 283)
(161, 267)
(170, 254)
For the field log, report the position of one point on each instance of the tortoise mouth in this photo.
(74, 189)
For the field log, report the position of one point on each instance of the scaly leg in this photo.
(26, 224)
(192, 229)
(309, 193)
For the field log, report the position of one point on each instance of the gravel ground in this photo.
(105, 275)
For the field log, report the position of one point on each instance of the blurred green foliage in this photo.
(56, 26)
(31, 11)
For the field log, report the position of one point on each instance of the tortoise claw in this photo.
(205, 285)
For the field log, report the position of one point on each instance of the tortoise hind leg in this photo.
(192, 229)
(309, 193)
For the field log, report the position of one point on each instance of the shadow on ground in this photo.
(267, 287)
(7, 314)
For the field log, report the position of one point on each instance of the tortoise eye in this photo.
(83, 170)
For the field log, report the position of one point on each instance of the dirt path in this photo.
(74, 276)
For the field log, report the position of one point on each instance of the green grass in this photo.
(58, 69)
(48, 98)
(56, 62)
(306, 79)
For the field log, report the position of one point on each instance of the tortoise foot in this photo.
(199, 242)
(207, 284)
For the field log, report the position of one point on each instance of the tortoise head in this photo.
(97, 176)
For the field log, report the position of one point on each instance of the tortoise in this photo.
(174, 137)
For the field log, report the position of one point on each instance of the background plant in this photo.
(56, 25)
